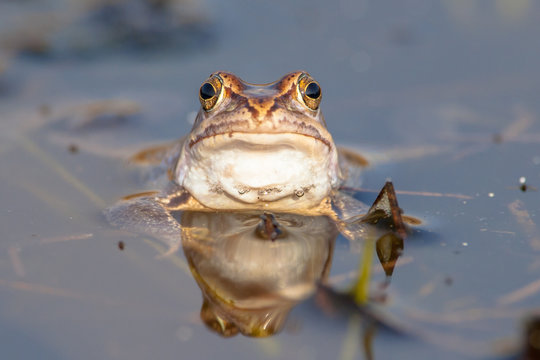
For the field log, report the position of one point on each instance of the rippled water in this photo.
(442, 97)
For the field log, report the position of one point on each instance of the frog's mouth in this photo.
(235, 169)
(286, 126)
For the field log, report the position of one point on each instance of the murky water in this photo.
(442, 97)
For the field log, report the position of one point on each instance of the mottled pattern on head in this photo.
(259, 146)
(273, 107)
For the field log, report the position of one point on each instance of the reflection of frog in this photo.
(248, 283)
(257, 150)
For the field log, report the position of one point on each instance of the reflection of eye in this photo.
(313, 90)
(209, 93)
(310, 91)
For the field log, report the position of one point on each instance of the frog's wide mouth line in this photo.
(259, 139)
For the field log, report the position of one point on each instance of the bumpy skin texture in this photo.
(263, 147)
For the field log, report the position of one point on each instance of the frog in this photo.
(255, 197)
(262, 148)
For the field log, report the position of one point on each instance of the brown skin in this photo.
(266, 108)
(280, 124)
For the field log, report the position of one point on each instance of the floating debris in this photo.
(385, 207)
(523, 186)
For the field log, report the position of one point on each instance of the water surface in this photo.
(441, 96)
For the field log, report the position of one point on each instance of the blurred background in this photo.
(442, 96)
(405, 60)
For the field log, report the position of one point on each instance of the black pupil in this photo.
(207, 91)
(313, 91)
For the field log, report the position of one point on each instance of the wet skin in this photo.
(262, 147)
(252, 148)
(262, 157)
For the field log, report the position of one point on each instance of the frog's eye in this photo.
(209, 93)
(313, 90)
(310, 91)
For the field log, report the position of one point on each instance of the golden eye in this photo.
(310, 91)
(209, 93)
